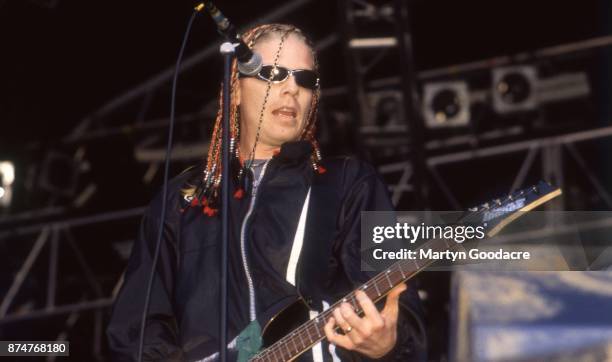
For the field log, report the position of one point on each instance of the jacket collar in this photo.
(295, 151)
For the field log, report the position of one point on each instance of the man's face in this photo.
(288, 104)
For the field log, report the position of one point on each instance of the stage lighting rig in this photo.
(7, 178)
(384, 127)
(514, 89)
(386, 111)
(59, 174)
(446, 104)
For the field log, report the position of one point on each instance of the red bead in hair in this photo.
(321, 170)
(208, 211)
(239, 194)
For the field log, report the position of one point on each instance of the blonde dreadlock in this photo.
(207, 190)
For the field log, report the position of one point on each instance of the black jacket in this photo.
(183, 317)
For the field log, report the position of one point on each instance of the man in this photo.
(280, 186)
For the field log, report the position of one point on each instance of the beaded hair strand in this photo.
(206, 193)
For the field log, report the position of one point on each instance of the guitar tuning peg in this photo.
(510, 197)
(473, 209)
(485, 205)
(498, 202)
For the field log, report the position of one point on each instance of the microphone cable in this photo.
(145, 311)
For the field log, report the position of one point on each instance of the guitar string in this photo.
(351, 296)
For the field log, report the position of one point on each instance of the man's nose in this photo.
(290, 86)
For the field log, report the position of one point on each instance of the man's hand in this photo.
(374, 334)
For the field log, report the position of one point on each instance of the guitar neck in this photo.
(312, 332)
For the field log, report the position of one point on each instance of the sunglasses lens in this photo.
(306, 78)
(303, 77)
(268, 72)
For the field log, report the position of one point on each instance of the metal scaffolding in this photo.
(364, 55)
(48, 237)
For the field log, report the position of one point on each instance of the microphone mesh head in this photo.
(251, 67)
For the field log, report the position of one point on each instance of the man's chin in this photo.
(279, 139)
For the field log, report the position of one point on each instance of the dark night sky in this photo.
(59, 64)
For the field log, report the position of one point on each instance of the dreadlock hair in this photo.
(205, 191)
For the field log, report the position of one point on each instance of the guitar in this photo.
(284, 339)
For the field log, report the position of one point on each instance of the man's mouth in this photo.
(288, 112)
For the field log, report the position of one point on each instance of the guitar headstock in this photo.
(498, 213)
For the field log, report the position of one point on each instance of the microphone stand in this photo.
(227, 51)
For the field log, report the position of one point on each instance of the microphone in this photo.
(249, 62)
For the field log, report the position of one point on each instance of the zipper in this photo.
(245, 263)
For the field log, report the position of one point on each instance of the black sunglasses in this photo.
(303, 77)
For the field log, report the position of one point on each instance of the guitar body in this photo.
(278, 321)
(284, 322)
